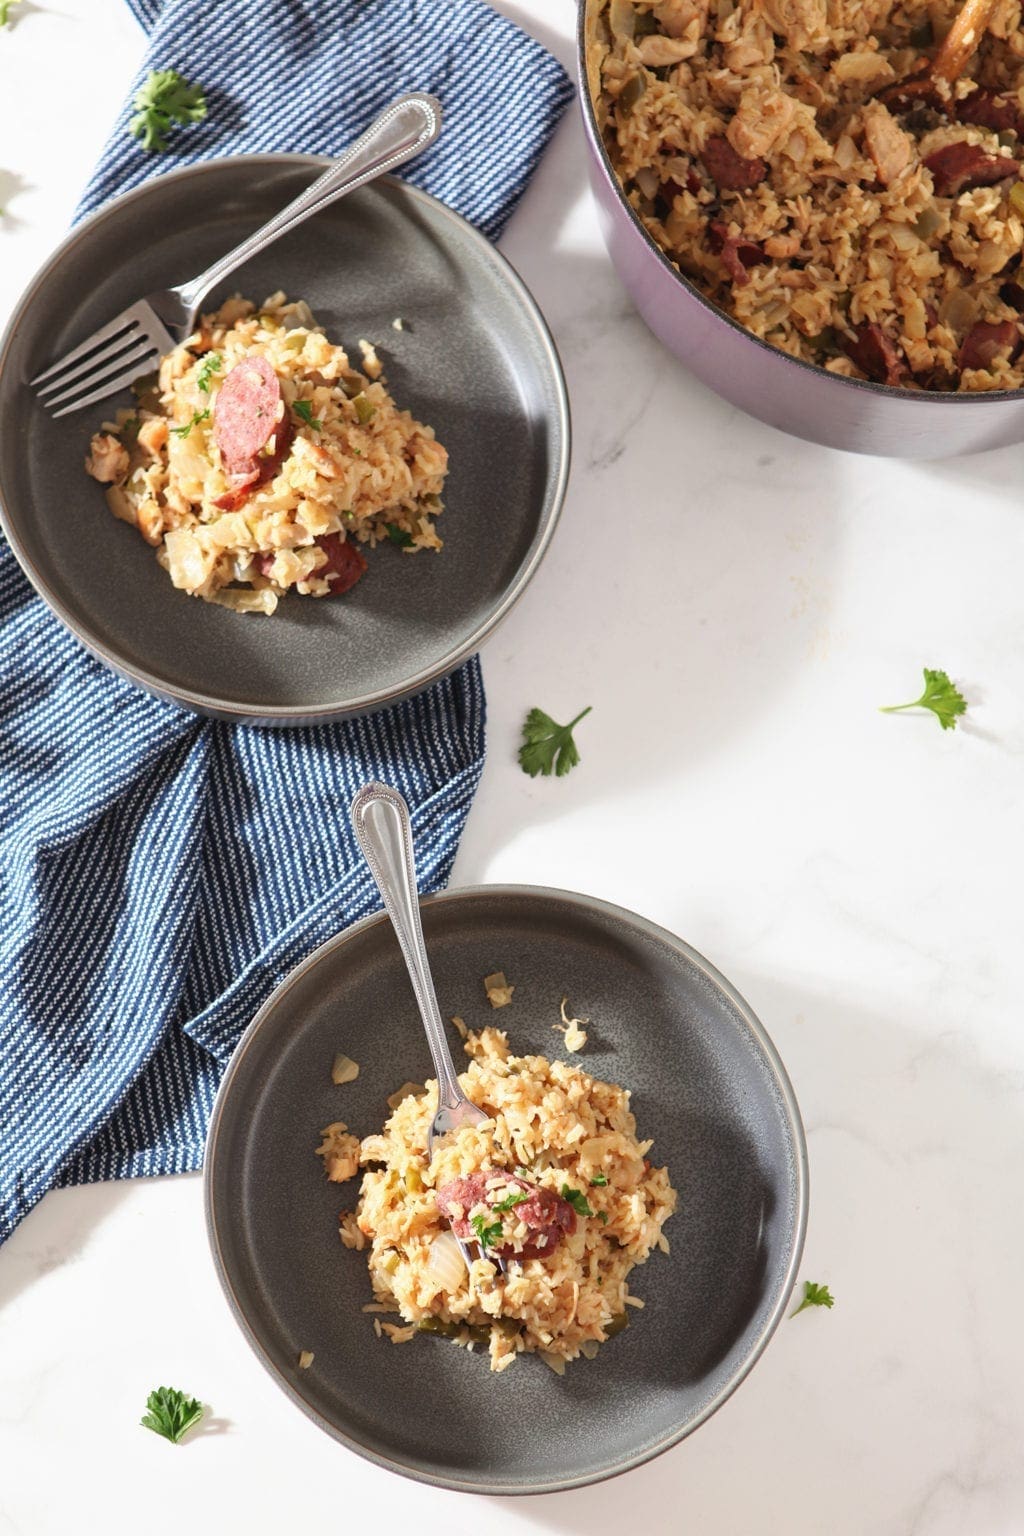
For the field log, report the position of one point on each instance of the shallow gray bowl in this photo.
(475, 360)
(707, 1085)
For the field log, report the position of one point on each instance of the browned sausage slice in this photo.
(729, 171)
(958, 167)
(984, 341)
(875, 355)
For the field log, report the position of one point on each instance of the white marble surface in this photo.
(734, 604)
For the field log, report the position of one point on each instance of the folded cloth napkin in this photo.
(162, 873)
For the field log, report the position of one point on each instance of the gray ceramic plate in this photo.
(707, 1086)
(475, 360)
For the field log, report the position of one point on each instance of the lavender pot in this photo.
(780, 390)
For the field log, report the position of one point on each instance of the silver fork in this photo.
(380, 818)
(129, 346)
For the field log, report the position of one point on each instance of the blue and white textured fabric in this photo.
(154, 887)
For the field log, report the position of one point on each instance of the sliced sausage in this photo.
(256, 472)
(875, 354)
(984, 341)
(547, 1216)
(345, 562)
(957, 167)
(737, 253)
(729, 171)
(986, 109)
(246, 415)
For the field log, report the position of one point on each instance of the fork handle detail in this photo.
(380, 818)
(402, 130)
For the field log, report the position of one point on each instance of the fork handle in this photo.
(380, 818)
(401, 131)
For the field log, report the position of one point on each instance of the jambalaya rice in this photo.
(261, 461)
(771, 149)
(558, 1140)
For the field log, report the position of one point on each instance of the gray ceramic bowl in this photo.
(778, 389)
(475, 360)
(707, 1085)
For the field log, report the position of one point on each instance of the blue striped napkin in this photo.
(163, 873)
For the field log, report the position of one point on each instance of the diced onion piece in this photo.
(499, 993)
(305, 1359)
(407, 1091)
(622, 18)
(555, 1363)
(589, 1349)
(647, 180)
(446, 1263)
(344, 1070)
(572, 1029)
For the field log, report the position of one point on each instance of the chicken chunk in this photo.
(107, 459)
(890, 148)
(153, 436)
(764, 118)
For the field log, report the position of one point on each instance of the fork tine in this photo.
(81, 375)
(105, 333)
(108, 386)
(464, 1249)
(470, 1256)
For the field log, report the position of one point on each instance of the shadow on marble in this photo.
(908, 1390)
(56, 1233)
(209, 1425)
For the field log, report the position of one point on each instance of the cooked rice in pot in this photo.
(553, 1128)
(876, 235)
(345, 469)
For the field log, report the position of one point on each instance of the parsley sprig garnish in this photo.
(403, 539)
(210, 365)
(489, 1233)
(547, 746)
(517, 1197)
(163, 99)
(304, 410)
(941, 696)
(171, 1413)
(577, 1199)
(197, 417)
(815, 1296)
(5, 11)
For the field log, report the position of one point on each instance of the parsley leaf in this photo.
(304, 410)
(210, 365)
(403, 539)
(163, 99)
(577, 1199)
(941, 696)
(548, 746)
(517, 1197)
(815, 1296)
(171, 1413)
(598, 1181)
(197, 417)
(489, 1235)
(5, 11)
(602, 1217)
